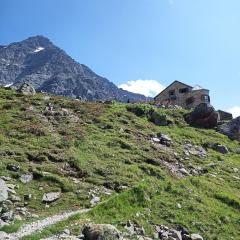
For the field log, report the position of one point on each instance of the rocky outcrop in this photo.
(231, 129)
(204, 115)
(26, 89)
(9, 204)
(198, 151)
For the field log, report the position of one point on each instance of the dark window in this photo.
(190, 100)
(183, 90)
(172, 95)
(205, 98)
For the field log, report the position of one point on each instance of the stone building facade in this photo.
(183, 95)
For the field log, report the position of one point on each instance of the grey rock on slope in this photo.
(3, 191)
(39, 62)
(231, 129)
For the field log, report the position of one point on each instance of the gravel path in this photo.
(39, 225)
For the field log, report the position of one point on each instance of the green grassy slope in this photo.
(81, 147)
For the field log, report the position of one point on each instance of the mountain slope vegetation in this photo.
(106, 156)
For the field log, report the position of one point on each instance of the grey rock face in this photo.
(51, 197)
(231, 129)
(3, 191)
(47, 68)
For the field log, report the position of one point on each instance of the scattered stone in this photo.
(143, 238)
(235, 170)
(7, 216)
(27, 197)
(11, 191)
(67, 231)
(3, 191)
(51, 197)
(179, 205)
(13, 167)
(5, 178)
(196, 237)
(220, 148)
(15, 198)
(11, 186)
(134, 228)
(177, 233)
(163, 139)
(156, 140)
(198, 151)
(25, 178)
(121, 188)
(94, 201)
(169, 106)
(184, 171)
(186, 237)
(101, 231)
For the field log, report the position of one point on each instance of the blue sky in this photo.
(194, 41)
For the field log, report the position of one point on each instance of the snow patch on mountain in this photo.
(8, 85)
(38, 49)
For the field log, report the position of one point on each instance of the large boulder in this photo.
(220, 148)
(204, 115)
(26, 89)
(3, 191)
(101, 232)
(231, 129)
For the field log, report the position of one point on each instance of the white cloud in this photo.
(149, 88)
(171, 2)
(235, 111)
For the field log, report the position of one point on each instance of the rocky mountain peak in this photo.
(48, 68)
(37, 41)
